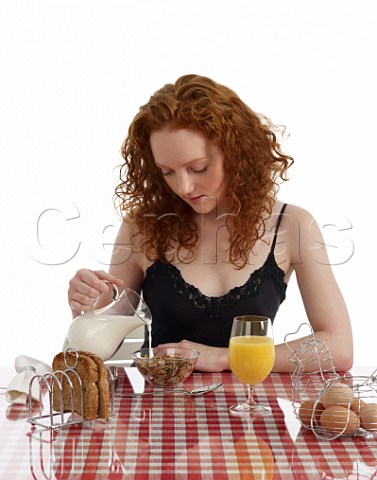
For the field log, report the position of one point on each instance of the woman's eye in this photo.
(200, 170)
(165, 173)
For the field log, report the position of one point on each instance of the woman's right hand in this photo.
(85, 288)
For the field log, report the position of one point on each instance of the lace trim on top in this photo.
(270, 269)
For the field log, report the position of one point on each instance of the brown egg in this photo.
(337, 393)
(339, 420)
(356, 404)
(306, 412)
(368, 416)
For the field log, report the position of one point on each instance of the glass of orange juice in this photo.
(251, 358)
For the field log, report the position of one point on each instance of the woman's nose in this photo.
(185, 184)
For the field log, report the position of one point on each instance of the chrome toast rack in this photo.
(43, 415)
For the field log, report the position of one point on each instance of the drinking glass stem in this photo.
(250, 399)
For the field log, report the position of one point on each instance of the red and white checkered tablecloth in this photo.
(182, 437)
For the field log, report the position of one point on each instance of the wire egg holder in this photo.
(48, 418)
(314, 374)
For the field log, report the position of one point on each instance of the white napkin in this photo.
(26, 367)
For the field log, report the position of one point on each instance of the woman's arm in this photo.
(90, 289)
(211, 359)
(323, 301)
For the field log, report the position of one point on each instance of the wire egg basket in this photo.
(326, 402)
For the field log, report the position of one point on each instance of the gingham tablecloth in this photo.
(183, 437)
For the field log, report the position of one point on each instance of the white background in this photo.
(73, 74)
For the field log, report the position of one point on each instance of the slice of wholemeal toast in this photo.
(93, 379)
(102, 385)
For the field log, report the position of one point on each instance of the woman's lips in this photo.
(194, 199)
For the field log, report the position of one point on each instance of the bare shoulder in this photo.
(129, 235)
(127, 228)
(296, 213)
(128, 261)
(297, 217)
(304, 235)
(124, 246)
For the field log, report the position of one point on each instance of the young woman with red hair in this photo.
(204, 237)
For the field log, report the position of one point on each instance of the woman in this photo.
(204, 236)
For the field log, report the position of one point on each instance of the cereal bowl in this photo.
(169, 366)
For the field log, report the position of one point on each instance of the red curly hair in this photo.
(253, 163)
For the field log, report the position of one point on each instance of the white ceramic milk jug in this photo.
(102, 331)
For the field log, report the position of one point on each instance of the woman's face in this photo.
(192, 166)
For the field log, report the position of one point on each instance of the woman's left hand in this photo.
(211, 359)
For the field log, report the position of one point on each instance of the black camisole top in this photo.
(181, 312)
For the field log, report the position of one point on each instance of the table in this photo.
(182, 437)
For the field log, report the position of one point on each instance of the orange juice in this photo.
(251, 358)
